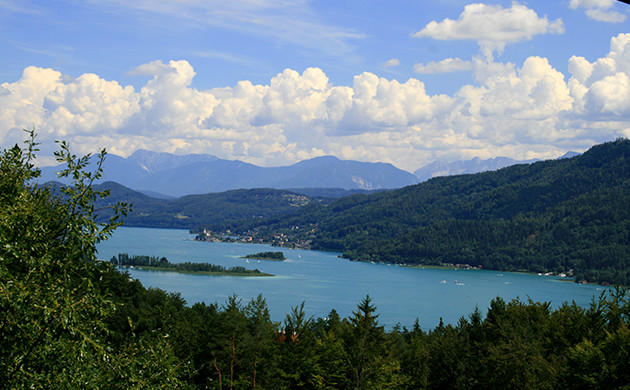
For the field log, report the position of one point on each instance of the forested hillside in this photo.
(193, 211)
(568, 215)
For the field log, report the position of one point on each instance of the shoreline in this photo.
(260, 258)
(453, 266)
(204, 273)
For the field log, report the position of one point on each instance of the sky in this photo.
(277, 82)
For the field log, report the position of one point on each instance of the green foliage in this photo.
(517, 345)
(365, 348)
(53, 326)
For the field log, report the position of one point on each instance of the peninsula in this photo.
(162, 264)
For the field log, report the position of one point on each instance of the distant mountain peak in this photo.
(324, 158)
(474, 165)
(152, 162)
(569, 154)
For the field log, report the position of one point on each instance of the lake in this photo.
(324, 281)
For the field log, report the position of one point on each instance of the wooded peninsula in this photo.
(162, 264)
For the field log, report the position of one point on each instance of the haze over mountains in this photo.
(165, 174)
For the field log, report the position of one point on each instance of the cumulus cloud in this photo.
(526, 110)
(602, 88)
(377, 103)
(492, 26)
(89, 104)
(168, 103)
(600, 10)
(447, 65)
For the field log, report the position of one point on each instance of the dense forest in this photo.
(568, 215)
(69, 321)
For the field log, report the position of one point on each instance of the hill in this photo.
(566, 215)
(193, 211)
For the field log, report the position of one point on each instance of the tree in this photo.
(364, 342)
(229, 348)
(54, 305)
(517, 351)
(261, 332)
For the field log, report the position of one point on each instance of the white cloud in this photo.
(90, 104)
(602, 88)
(378, 103)
(168, 103)
(22, 103)
(447, 65)
(600, 10)
(391, 63)
(522, 110)
(492, 26)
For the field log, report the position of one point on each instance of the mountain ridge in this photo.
(167, 175)
(175, 176)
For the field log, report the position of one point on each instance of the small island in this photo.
(275, 256)
(162, 264)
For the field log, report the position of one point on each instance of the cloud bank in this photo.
(522, 111)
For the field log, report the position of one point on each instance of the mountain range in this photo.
(165, 175)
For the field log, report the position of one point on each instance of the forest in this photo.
(69, 321)
(564, 216)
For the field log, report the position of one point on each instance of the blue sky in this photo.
(276, 82)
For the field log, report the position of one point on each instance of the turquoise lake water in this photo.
(324, 281)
